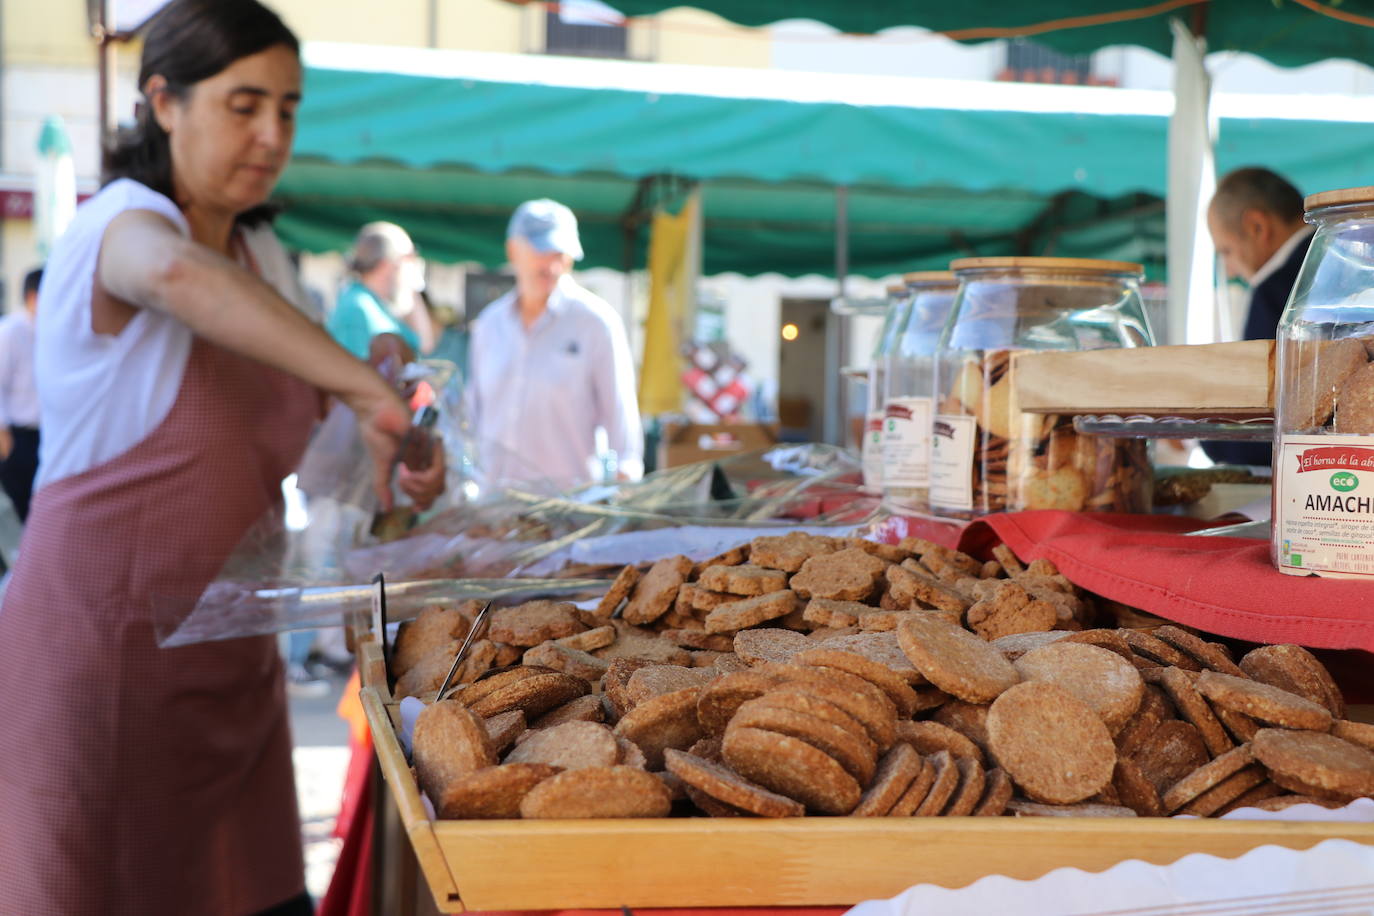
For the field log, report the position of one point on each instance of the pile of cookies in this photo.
(1329, 386)
(828, 676)
(1031, 461)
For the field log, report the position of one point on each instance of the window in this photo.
(1030, 62)
(580, 37)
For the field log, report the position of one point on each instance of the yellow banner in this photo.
(673, 256)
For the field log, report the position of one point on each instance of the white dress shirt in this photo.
(1280, 257)
(18, 394)
(537, 396)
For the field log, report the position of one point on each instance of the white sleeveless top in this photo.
(101, 394)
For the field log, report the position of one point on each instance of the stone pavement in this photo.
(321, 758)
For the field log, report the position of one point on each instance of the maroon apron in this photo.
(137, 780)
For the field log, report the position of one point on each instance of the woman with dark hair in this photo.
(178, 385)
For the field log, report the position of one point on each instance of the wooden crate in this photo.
(705, 862)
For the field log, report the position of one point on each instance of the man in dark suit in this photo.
(1256, 223)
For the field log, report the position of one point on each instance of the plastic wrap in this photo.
(302, 569)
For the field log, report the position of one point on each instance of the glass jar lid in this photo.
(1065, 265)
(1338, 198)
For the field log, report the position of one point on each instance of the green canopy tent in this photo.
(1289, 33)
(447, 143)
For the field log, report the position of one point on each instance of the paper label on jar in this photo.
(951, 461)
(906, 442)
(872, 451)
(1324, 506)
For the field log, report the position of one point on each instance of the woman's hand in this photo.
(424, 487)
(383, 421)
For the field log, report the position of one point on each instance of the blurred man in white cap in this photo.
(550, 367)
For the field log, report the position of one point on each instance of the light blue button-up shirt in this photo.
(536, 397)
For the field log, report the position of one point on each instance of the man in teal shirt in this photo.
(384, 295)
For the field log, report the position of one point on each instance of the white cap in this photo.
(548, 226)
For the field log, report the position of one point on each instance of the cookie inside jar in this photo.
(987, 454)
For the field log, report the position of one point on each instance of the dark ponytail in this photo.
(186, 42)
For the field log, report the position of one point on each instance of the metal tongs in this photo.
(478, 624)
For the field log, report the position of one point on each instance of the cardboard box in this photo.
(687, 443)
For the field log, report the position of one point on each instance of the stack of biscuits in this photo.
(802, 675)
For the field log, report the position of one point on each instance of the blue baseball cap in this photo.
(548, 226)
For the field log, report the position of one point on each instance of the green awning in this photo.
(1281, 31)
(449, 155)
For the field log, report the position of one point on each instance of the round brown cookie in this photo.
(929, 737)
(496, 680)
(617, 679)
(427, 675)
(1251, 797)
(449, 742)
(569, 661)
(738, 615)
(822, 635)
(1134, 789)
(633, 642)
(928, 698)
(897, 770)
(769, 644)
(1355, 403)
(507, 655)
(533, 695)
(502, 730)
(732, 557)
(1111, 640)
(582, 709)
(1018, 644)
(1361, 733)
(656, 591)
(1264, 702)
(946, 770)
(879, 675)
(1171, 751)
(1238, 725)
(1154, 708)
(1022, 808)
(1192, 707)
(656, 680)
(619, 590)
(827, 612)
(968, 719)
(677, 789)
(570, 746)
(856, 696)
(1157, 650)
(911, 799)
(1323, 764)
(882, 648)
(710, 806)
(791, 767)
(1208, 654)
(997, 791)
(743, 580)
(1224, 792)
(491, 792)
(911, 588)
(955, 660)
(1052, 744)
(700, 640)
(434, 628)
(845, 575)
(724, 695)
(1296, 670)
(703, 601)
(892, 553)
(630, 754)
(727, 786)
(789, 551)
(857, 755)
(534, 622)
(706, 658)
(1108, 796)
(803, 699)
(668, 720)
(729, 663)
(1101, 678)
(588, 640)
(598, 792)
(1011, 610)
(972, 782)
(1284, 802)
(1206, 776)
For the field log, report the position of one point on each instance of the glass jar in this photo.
(898, 302)
(987, 455)
(907, 396)
(1324, 398)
